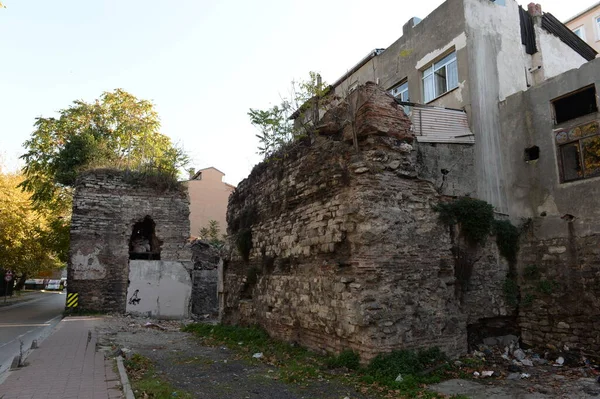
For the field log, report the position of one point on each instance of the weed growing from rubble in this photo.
(386, 367)
(528, 300)
(547, 286)
(348, 359)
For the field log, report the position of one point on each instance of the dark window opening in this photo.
(574, 105)
(570, 159)
(532, 153)
(143, 243)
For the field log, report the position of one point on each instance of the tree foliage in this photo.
(211, 233)
(276, 125)
(118, 131)
(30, 240)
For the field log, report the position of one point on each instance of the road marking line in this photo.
(12, 340)
(25, 325)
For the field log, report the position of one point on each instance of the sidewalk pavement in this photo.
(65, 366)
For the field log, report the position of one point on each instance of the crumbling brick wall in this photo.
(105, 208)
(337, 249)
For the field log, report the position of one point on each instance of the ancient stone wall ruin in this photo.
(337, 249)
(560, 291)
(115, 219)
(206, 259)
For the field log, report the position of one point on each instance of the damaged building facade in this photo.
(552, 158)
(130, 249)
(337, 249)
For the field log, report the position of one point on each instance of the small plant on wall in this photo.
(474, 218)
(476, 222)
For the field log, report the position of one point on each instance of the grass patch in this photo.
(147, 384)
(348, 359)
(408, 372)
(299, 366)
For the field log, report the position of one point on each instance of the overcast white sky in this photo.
(203, 63)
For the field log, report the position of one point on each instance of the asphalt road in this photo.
(26, 321)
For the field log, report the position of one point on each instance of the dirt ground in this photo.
(209, 372)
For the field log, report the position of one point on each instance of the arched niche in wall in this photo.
(143, 243)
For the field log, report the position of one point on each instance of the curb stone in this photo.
(124, 379)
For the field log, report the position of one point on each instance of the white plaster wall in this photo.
(512, 62)
(86, 266)
(497, 68)
(557, 56)
(163, 288)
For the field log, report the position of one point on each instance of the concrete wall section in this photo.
(527, 120)
(559, 260)
(450, 167)
(159, 289)
(414, 50)
(498, 67)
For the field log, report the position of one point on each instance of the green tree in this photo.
(30, 239)
(276, 125)
(118, 131)
(211, 233)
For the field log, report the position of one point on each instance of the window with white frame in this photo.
(597, 20)
(401, 91)
(440, 77)
(580, 32)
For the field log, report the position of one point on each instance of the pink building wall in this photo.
(208, 199)
(587, 20)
